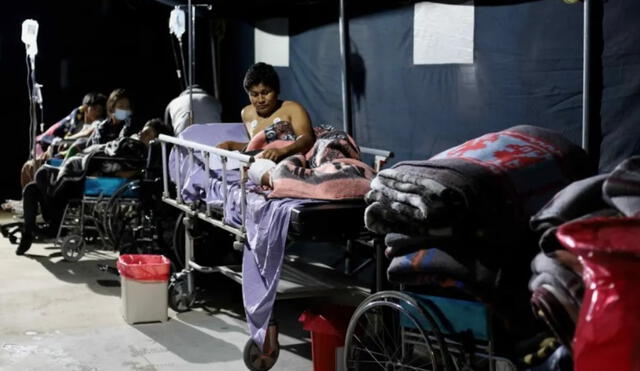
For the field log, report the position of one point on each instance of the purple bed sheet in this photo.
(267, 223)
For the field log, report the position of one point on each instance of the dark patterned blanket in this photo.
(435, 267)
(330, 171)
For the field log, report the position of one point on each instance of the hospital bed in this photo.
(219, 196)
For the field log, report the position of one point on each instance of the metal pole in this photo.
(192, 21)
(346, 84)
(33, 111)
(586, 82)
(214, 59)
(165, 170)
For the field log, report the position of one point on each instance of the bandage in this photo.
(259, 168)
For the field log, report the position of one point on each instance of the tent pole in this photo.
(346, 83)
(586, 82)
(214, 58)
(192, 22)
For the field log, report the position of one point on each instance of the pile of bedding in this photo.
(556, 283)
(468, 207)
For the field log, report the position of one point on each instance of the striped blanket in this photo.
(331, 170)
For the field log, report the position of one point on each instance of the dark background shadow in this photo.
(87, 45)
(190, 343)
(82, 272)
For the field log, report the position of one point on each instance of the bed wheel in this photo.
(73, 247)
(255, 360)
(180, 299)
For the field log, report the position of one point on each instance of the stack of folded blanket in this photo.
(604, 195)
(556, 293)
(616, 194)
(458, 212)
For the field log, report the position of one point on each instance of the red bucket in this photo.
(328, 331)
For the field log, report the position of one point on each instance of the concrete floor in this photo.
(56, 315)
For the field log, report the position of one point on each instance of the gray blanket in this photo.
(415, 195)
(622, 188)
(495, 182)
(549, 271)
(580, 199)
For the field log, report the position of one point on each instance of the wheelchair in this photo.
(110, 212)
(397, 330)
(119, 214)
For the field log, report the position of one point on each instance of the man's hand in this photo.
(224, 145)
(230, 145)
(274, 154)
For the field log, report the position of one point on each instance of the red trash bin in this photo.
(608, 331)
(328, 331)
(144, 281)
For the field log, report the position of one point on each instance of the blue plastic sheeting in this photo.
(527, 70)
(452, 316)
(107, 186)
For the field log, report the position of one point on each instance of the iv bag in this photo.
(177, 22)
(29, 32)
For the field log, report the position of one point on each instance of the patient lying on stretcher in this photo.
(294, 159)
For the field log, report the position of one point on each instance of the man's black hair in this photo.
(94, 99)
(261, 73)
(159, 127)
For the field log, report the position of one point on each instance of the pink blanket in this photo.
(331, 170)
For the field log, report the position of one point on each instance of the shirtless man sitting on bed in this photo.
(262, 85)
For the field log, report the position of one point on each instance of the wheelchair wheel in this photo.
(73, 248)
(180, 299)
(391, 331)
(178, 241)
(123, 219)
(255, 360)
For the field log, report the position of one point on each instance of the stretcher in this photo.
(208, 190)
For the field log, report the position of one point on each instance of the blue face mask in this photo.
(122, 114)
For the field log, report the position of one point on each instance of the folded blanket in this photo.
(548, 241)
(495, 180)
(421, 203)
(549, 271)
(381, 219)
(622, 188)
(437, 267)
(401, 244)
(577, 199)
(422, 195)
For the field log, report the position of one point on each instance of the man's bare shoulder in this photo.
(292, 106)
(248, 113)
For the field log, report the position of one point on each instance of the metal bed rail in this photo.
(380, 157)
(207, 152)
(193, 213)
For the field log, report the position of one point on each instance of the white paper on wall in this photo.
(443, 33)
(272, 41)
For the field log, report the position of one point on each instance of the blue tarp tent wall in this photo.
(527, 68)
